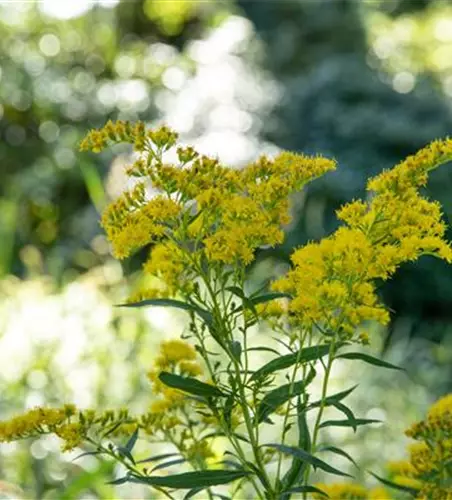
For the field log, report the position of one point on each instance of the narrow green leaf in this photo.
(120, 480)
(178, 304)
(386, 482)
(277, 397)
(156, 458)
(236, 291)
(303, 356)
(236, 349)
(124, 452)
(267, 297)
(132, 440)
(189, 480)
(295, 473)
(349, 423)
(247, 303)
(164, 465)
(252, 301)
(227, 412)
(307, 457)
(262, 478)
(340, 452)
(302, 489)
(87, 454)
(267, 349)
(368, 359)
(113, 428)
(334, 398)
(190, 385)
(347, 412)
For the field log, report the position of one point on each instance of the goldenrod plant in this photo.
(204, 222)
(428, 471)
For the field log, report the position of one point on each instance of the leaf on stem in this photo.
(349, 423)
(368, 359)
(156, 458)
(298, 466)
(132, 440)
(178, 304)
(164, 465)
(189, 480)
(303, 356)
(340, 452)
(236, 349)
(124, 452)
(275, 398)
(307, 457)
(406, 489)
(190, 385)
(334, 398)
(87, 453)
(267, 297)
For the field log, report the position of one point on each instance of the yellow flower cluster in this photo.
(204, 209)
(123, 131)
(176, 356)
(429, 468)
(351, 491)
(333, 281)
(69, 424)
(34, 422)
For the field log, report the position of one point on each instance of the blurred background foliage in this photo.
(366, 82)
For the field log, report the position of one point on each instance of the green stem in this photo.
(286, 416)
(126, 464)
(322, 407)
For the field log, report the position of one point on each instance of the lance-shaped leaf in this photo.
(303, 356)
(339, 451)
(132, 441)
(156, 458)
(252, 301)
(406, 489)
(164, 465)
(120, 480)
(334, 398)
(124, 452)
(236, 349)
(247, 303)
(267, 297)
(189, 480)
(227, 411)
(307, 457)
(368, 359)
(178, 304)
(296, 470)
(190, 385)
(277, 397)
(349, 423)
(87, 454)
(347, 412)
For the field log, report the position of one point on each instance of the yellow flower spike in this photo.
(177, 350)
(72, 434)
(167, 262)
(412, 172)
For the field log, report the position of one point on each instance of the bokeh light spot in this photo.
(403, 82)
(49, 45)
(49, 131)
